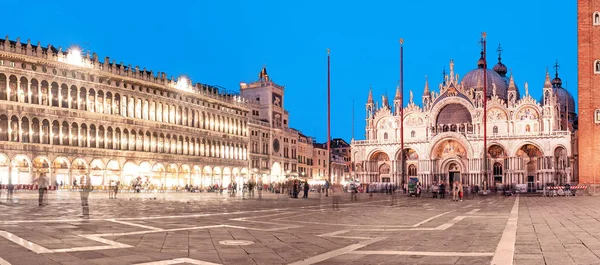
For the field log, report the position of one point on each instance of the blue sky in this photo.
(225, 42)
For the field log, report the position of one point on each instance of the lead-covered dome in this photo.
(564, 98)
(474, 78)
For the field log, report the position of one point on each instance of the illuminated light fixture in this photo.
(74, 56)
(183, 83)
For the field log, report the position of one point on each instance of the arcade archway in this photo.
(60, 168)
(530, 155)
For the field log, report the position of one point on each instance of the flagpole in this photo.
(329, 114)
(402, 112)
(485, 162)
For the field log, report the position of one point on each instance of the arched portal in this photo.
(4, 167)
(185, 175)
(172, 175)
(196, 175)
(380, 167)
(454, 170)
(450, 155)
(129, 173)
(41, 165)
(561, 166)
(79, 172)
(21, 170)
(496, 155)
(226, 176)
(207, 176)
(411, 162)
(146, 174)
(60, 168)
(530, 155)
(217, 176)
(113, 170)
(97, 168)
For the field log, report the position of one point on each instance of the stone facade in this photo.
(71, 115)
(277, 145)
(588, 26)
(528, 141)
(305, 156)
(320, 161)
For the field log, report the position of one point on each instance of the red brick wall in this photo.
(589, 92)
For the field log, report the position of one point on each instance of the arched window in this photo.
(497, 169)
(412, 170)
(527, 128)
(412, 134)
(495, 130)
(597, 67)
(596, 21)
(385, 136)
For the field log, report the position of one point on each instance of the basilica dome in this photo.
(564, 98)
(475, 77)
(500, 68)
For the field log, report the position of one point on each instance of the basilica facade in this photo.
(529, 142)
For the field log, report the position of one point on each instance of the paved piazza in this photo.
(192, 228)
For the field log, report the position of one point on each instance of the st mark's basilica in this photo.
(530, 143)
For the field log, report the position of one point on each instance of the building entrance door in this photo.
(530, 184)
(452, 177)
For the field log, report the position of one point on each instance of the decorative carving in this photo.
(388, 123)
(496, 114)
(496, 151)
(450, 148)
(413, 120)
(530, 151)
(411, 155)
(527, 114)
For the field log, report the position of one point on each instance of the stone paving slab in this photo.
(137, 228)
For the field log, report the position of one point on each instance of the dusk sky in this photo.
(225, 42)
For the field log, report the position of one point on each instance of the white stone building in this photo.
(70, 114)
(528, 141)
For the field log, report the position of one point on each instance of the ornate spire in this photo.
(426, 89)
(451, 70)
(526, 88)
(547, 83)
(370, 98)
(410, 100)
(511, 83)
(398, 96)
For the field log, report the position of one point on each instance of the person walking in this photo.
(259, 186)
(42, 182)
(251, 185)
(336, 191)
(442, 190)
(460, 191)
(455, 191)
(306, 188)
(353, 192)
(111, 189)
(117, 184)
(86, 188)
